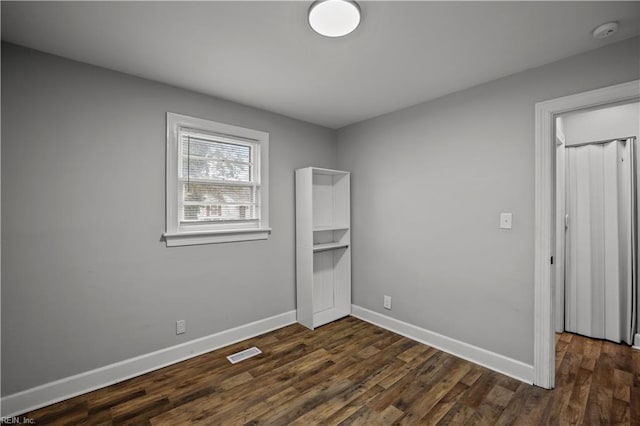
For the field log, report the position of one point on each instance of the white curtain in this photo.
(600, 241)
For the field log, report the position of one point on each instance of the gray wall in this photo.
(85, 279)
(428, 184)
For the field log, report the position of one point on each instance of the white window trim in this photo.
(193, 234)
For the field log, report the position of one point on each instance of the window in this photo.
(217, 182)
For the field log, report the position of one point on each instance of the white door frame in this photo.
(544, 271)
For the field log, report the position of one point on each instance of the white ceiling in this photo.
(265, 55)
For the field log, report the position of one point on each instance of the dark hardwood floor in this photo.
(351, 372)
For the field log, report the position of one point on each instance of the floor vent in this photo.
(242, 355)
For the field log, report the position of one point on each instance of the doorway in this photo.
(596, 222)
(544, 195)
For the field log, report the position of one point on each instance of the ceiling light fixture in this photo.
(334, 18)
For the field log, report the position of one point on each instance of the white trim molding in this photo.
(636, 341)
(496, 362)
(59, 390)
(212, 237)
(544, 299)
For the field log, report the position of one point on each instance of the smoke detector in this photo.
(605, 30)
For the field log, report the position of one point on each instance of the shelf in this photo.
(323, 246)
(329, 246)
(330, 228)
(328, 172)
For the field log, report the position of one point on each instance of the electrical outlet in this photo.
(387, 302)
(181, 327)
(505, 220)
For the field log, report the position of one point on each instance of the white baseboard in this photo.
(501, 364)
(636, 341)
(69, 387)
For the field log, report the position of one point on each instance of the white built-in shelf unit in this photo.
(323, 246)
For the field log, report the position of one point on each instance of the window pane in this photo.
(218, 213)
(205, 168)
(207, 193)
(210, 159)
(215, 149)
(206, 202)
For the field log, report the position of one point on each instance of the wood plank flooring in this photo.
(353, 373)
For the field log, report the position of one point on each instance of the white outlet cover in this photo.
(506, 220)
(181, 326)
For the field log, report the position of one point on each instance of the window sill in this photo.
(214, 237)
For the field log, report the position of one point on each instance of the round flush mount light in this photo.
(334, 18)
(605, 30)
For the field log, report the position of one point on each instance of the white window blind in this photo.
(217, 182)
(218, 179)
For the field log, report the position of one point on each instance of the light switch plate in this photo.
(505, 220)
